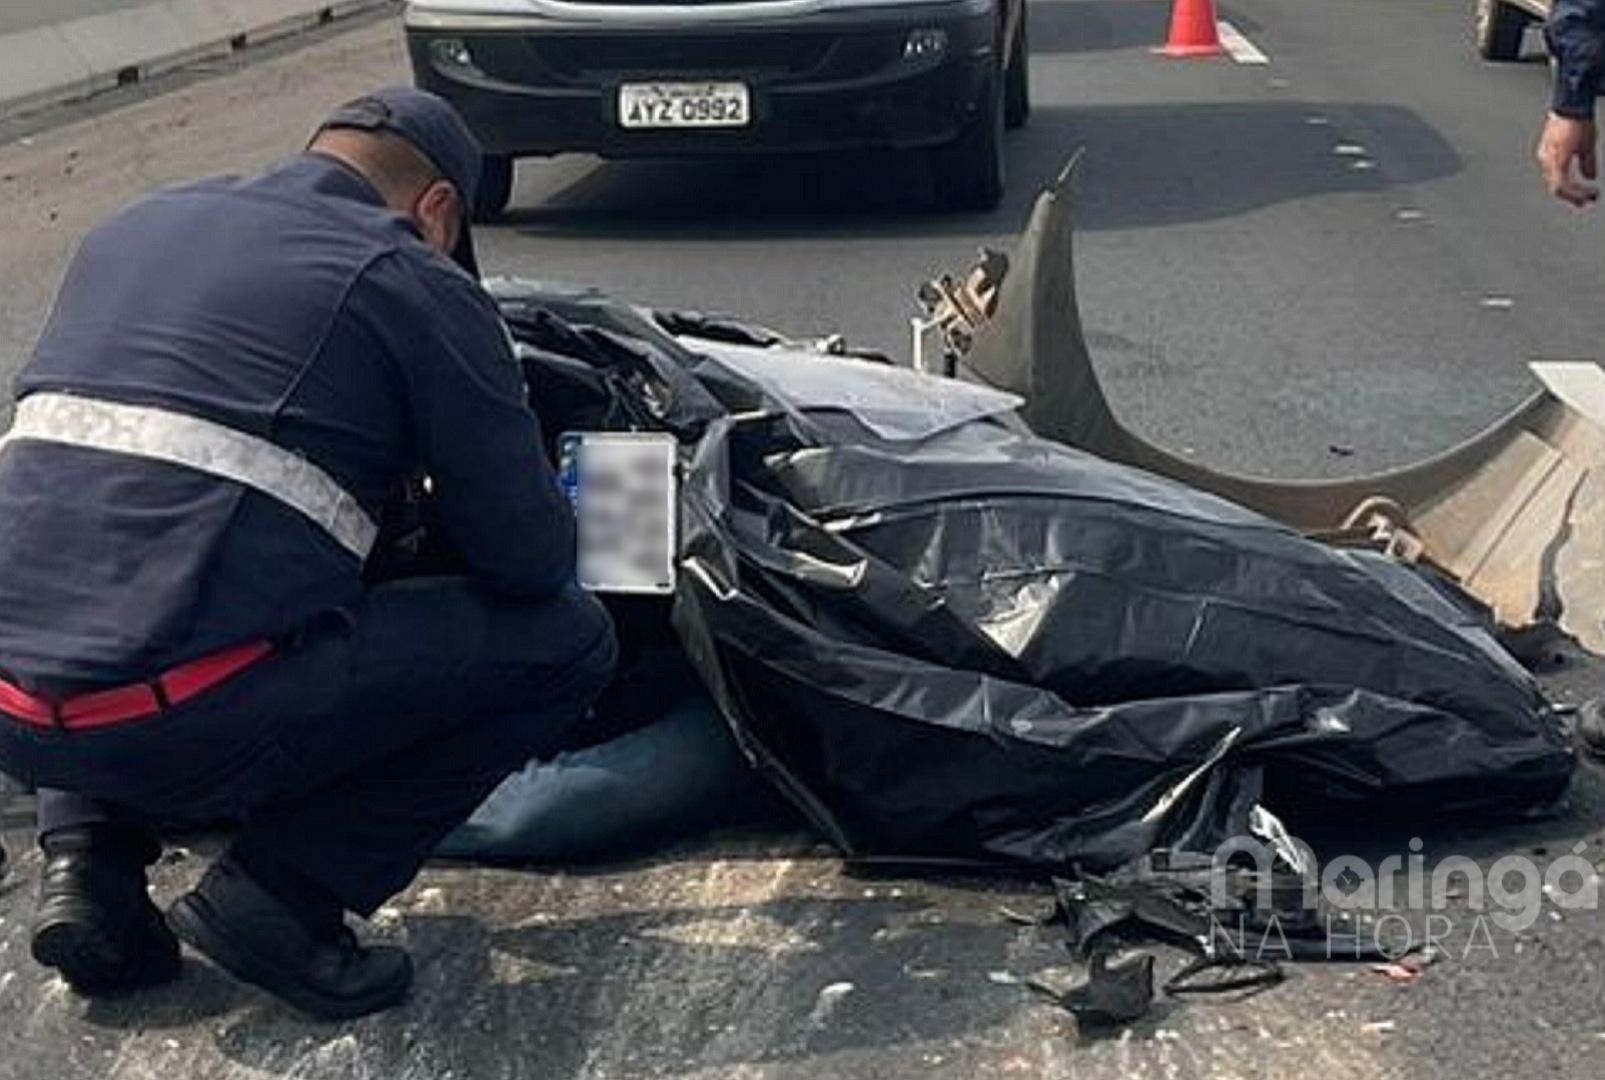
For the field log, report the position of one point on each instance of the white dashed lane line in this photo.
(1237, 46)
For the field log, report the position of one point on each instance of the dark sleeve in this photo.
(1576, 36)
(495, 493)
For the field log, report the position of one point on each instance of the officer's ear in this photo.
(438, 213)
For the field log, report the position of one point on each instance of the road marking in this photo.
(1237, 46)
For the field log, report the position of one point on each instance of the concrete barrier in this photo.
(268, 19)
(144, 41)
(40, 66)
(81, 57)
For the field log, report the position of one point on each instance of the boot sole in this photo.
(96, 963)
(193, 920)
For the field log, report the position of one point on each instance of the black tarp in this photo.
(944, 637)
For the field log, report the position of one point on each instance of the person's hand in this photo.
(1563, 142)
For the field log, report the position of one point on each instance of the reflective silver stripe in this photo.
(179, 439)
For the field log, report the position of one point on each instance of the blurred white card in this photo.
(624, 493)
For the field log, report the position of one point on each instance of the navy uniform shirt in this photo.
(294, 306)
(1576, 37)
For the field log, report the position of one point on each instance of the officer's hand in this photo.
(1564, 141)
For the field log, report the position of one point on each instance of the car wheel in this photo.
(1017, 80)
(1499, 27)
(967, 173)
(495, 187)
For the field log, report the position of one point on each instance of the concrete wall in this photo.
(96, 44)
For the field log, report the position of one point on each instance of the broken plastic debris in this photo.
(1513, 514)
(830, 997)
(1020, 917)
(1399, 972)
(1113, 993)
(1380, 1027)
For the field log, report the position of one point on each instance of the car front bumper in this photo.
(828, 80)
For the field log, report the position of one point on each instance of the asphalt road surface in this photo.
(1332, 262)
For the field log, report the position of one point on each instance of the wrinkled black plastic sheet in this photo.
(979, 644)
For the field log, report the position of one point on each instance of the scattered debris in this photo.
(1020, 917)
(1398, 973)
(1349, 150)
(430, 900)
(829, 998)
(1409, 213)
(1114, 992)
(1380, 1027)
(1340, 450)
(1498, 303)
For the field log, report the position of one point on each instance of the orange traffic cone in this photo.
(1192, 29)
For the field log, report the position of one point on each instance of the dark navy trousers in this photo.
(350, 753)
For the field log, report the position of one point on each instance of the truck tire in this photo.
(1498, 27)
(967, 173)
(495, 187)
(1017, 80)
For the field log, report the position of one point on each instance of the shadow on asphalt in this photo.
(1146, 166)
(565, 991)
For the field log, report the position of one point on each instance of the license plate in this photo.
(685, 105)
(624, 491)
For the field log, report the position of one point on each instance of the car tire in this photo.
(495, 187)
(967, 173)
(1498, 28)
(1017, 80)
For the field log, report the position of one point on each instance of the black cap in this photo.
(433, 127)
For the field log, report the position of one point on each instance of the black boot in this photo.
(314, 964)
(95, 923)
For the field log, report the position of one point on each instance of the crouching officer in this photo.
(236, 377)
